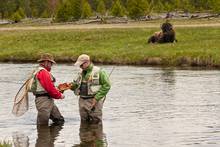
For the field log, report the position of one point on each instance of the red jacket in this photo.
(45, 81)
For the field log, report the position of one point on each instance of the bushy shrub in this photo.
(75, 9)
(16, 17)
(21, 12)
(101, 8)
(63, 13)
(86, 9)
(117, 9)
(137, 8)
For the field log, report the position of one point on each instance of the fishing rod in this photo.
(111, 71)
(93, 109)
(113, 68)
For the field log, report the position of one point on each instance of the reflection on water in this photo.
(20, 140)
(46, 135)
(91, 135)
(168, 76)
(146, 107)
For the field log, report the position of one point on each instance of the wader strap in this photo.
(44, 94)
(86, 97)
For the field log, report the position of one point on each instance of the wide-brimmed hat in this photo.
(46, 57)
(82, 59)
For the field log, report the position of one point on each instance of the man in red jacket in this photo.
(45, 92)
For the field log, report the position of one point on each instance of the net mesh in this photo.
(21, 99)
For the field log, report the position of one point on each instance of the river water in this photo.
(146, 107)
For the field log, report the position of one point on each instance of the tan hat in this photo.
(46, 57)
(82, 59)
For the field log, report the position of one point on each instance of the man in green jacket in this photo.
(92, 86)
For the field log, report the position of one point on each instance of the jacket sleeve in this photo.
(105, 85)
(45, 81)
(74, 85)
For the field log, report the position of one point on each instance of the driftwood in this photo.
(108, 21)
(3, 22)
(205, 16)
(179, 15)
(99, 20)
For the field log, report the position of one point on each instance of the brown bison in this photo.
(167, 35)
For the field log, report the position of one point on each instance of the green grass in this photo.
(5, 144)
(195, 47)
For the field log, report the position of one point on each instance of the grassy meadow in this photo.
(196, 46)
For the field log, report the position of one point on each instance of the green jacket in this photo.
(103, 80)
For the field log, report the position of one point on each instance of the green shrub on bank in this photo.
(137, 8)
(63, 12)
(117, 9)
(86, 9)
(5, 144)
(75, 9)
(101, 9)
(16, 17)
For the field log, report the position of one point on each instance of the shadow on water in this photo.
(91, 135)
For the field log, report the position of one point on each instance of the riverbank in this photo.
(196, 46)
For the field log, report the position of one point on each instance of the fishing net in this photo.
(21, 104)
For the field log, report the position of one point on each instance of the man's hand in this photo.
(94, 101)
(62, 96)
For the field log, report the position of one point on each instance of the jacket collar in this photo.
(89, 68)
(48, 69)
